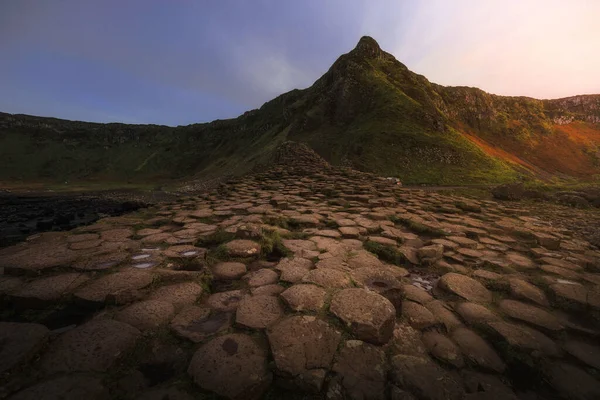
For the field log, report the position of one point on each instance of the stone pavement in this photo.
(304, 281)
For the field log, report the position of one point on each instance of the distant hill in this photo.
(369, 111)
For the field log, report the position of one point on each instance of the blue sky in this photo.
(182, 61)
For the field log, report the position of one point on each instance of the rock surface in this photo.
(19, 342)
(233, 366)
(303, 348)
(369, 316)
(337, 283)
(92, 347)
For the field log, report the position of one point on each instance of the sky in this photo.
(176, 62)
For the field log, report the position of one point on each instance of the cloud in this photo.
(196, 61)
(531, 47)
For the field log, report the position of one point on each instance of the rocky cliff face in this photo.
(369, 111)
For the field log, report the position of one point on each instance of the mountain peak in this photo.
(368, 47)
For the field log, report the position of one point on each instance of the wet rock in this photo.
(178, 294)
(360, 372)
(97, 291)
(146, 315)
(304, 297)
(186, 253)
(228, 270)
(443, 349)
(233, 366)
(93, 346)
(477, 350)
(303, 348)
(197, 323)
(19, 342)
(425, 379)
(465, 287)
(72, 387)
(369, 315)
(258, 312)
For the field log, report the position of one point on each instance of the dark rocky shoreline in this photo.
(25, 214)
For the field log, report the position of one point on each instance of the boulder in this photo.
(360, 370)
(91, 347)
(233, 366)
(465, 287)
(369, 316)
(19, 342)
(303, 348)
(258, 312)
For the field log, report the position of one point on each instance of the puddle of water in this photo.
(425, 283)
(189, 253)
(566, 282)
(150, 249)
(144, 265)
(140, 256)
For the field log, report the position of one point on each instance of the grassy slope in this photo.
(368, 111)
(388, 134)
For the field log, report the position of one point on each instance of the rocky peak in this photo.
(294, 154)
(368, 47)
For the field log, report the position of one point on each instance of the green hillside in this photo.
(368, 111)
